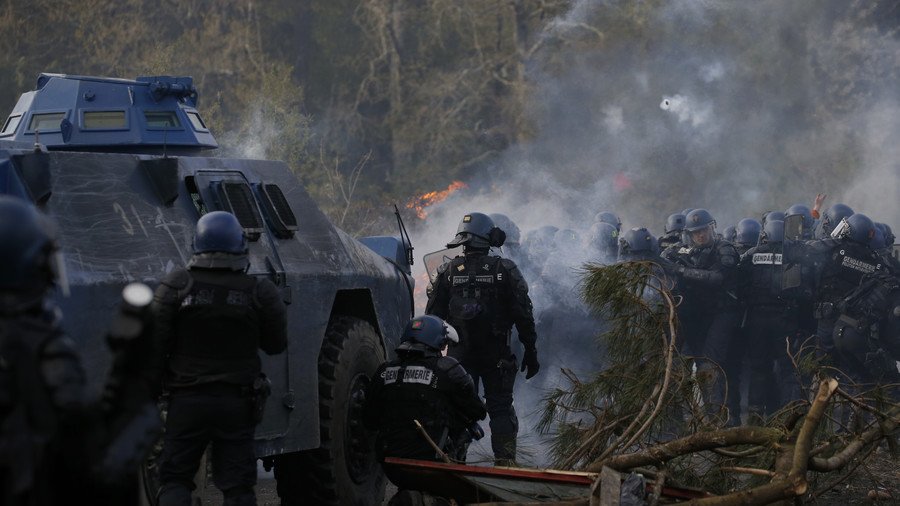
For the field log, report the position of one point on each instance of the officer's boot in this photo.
(504, 446)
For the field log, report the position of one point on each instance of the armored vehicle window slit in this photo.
(196, 199)
(277, 210)
(162, 119)
(11, 124)
(99, 120)
(196, 121)
(46, 121)
(237, 198)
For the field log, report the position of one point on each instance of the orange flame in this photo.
(431, 198)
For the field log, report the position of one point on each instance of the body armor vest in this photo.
(217, 330)
(847, 263)
(766, 272)
(477, 285)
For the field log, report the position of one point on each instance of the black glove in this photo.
(530, 362)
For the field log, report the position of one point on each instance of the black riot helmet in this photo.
(30, 262)
(502, 221)
(609, 217)
(747, 232)
(477, 231)
(857, 228)
(831, 218)
(604, 237)
(808, 220)
(699, 220)
(772, 233)
(427, 334)
(729, 233)
(637, 243)
(674, 223)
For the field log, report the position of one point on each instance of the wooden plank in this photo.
(610, 483)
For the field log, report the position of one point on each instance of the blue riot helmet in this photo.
(699, 228)
(772, 215)
(30, 262)
(637, 243)
(857, 228)
(609, 217)
(831, 218)
(808, 221)
(477, 231)
(220, 243)
(773, 232)
(729, 233)
(502, 221)
(428, 334)
(674, 223)
(604, 237)
(747, 232)
(877, 242)
(889, 238)
(219, 232)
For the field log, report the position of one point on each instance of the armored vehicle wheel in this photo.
(343, 470)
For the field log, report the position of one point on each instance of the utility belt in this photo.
(258, 392)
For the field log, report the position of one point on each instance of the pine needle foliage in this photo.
(624, 405)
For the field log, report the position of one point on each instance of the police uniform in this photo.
(211, 321)
(837, 266)
(482, 296)
(771, 320)
(708, 316)
(437, 391)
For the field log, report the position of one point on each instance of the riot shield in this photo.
(791, 253)
(434, 260)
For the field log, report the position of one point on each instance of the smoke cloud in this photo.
(737, 107)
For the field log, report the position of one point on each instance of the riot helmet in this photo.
(889, 238)
(427, 334)
(730, 233)
(772, 233)
(687, 211)
(772, 215)
(857, 228)
(30, 261)
(699, 228)
(502, 221)
(747, 232)
(877, 242)
(637, 243)
(604, 238)
(808, 221)
(477, 231)
(609, 217)
(220, 243)
(832, 217)
(219, 232)
(674, 223)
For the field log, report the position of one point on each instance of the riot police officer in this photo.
(56, 445)
(838, 263)
(830, 219)
(602, 243)
(482, 296)
(512, 248)
(672, 231)
(211, 319)
(771, 319)
(706, 270)
(609, 217)
(638, 244)
(425, 386)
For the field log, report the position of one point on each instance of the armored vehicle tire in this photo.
(343, 470)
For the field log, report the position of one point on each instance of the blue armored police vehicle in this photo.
(125, 168)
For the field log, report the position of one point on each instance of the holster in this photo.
(262, 389)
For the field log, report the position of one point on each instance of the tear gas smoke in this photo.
(739, 107)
